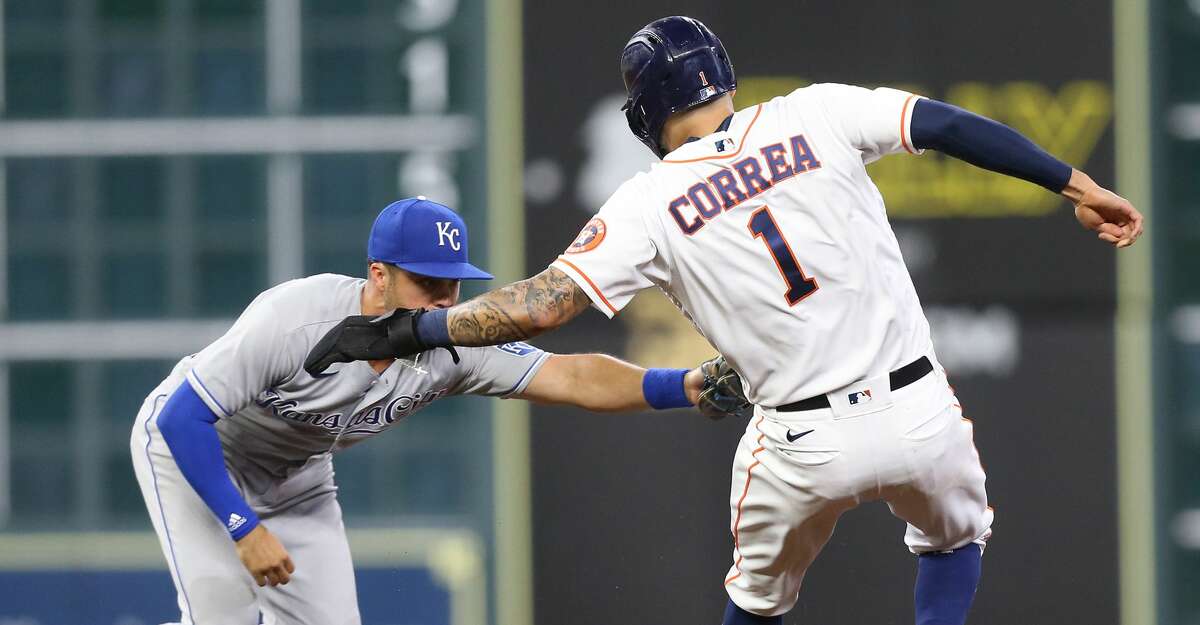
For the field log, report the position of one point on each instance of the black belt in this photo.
(899, 379)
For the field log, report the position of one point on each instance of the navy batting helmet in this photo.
(673, 64)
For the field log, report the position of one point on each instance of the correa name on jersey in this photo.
(372, 420)
(723, 190)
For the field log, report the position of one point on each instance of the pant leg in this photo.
(944, 502)
(212, 586)
(322, 589)
(784, 504)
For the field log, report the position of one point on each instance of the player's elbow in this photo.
(586, 381)
(551, 300)
(546, 321)
(183, 412)
(176, 425)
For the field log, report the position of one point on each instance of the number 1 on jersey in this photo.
(763, 226)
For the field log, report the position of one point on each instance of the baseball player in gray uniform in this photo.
(233, 450)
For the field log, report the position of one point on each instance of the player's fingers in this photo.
(1137, 224)
(1111, 228)
(1132, 218)
(281, 574)
(272, 577)
(1108, 238)
(287, 564)
(1133, 228)
(259, 579)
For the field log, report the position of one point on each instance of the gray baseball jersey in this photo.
(278, 428)
(276, 418)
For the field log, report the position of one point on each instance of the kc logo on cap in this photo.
(448, 234)
(423, 237)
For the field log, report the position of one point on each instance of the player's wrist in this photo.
(256, 528)
(432, 329)
(665, 388)
(1077, 186)
(239, 530)
(693, 384)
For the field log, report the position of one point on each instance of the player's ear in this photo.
(377, 275)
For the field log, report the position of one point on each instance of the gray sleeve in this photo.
(251, 357)
(498, 371)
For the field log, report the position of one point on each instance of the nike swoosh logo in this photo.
(793, 437)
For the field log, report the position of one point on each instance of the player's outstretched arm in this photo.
(602, 383)
(516, 312)
(186, 425)
(993, 146)
(512, 313)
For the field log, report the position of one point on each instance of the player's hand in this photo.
(720, 392)
(1110, 216)
(264, 556)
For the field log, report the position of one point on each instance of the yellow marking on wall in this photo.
(1068, 123)
(660, 336)
(754, 89)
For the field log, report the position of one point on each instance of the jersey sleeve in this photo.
(614, 255)
(248, 359)
(498, 371)
(877, 122)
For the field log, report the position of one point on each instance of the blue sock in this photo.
(737, 616)
(946, 585)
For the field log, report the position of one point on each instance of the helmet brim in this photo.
(446, 270)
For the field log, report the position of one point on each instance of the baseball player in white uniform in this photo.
(763, 226)
(239, 438)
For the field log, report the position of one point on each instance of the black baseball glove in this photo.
(722, 394)
(364, 337)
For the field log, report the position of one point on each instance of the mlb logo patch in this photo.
(517, 348)
(860, 397)
(724, 144)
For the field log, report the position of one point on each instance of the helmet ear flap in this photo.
(640, 125)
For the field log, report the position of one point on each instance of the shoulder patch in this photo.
(589, 238)
(518, 348)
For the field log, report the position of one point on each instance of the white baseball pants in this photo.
(795, 473)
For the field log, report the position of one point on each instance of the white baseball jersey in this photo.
(773, 240)
(279, 427)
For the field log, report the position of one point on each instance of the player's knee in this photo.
(967, 528)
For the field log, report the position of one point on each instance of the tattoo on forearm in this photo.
(517, 311)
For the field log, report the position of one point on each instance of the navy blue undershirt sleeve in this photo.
(186, 424)
(985, 143)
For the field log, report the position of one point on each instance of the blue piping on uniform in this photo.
(162, 514)
(209, 393)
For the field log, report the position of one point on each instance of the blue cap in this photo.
(423, 237)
